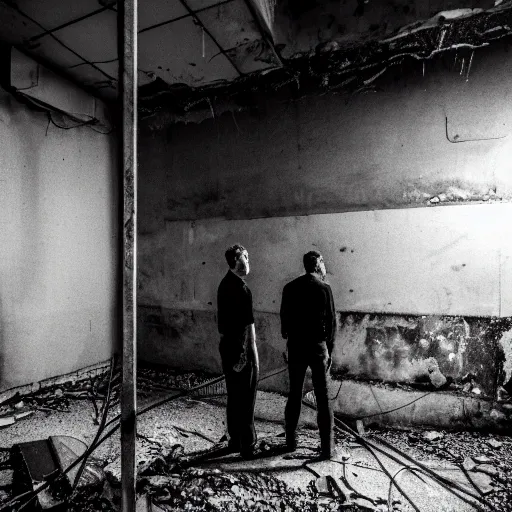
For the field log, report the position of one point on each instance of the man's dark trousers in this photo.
(316, 356)
(241, 390)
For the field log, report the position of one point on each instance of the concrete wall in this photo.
(58, 246)
(404, 190)
(385, 148)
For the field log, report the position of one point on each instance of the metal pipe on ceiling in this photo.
(127, 53)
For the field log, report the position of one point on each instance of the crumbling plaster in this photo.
(375, 348)
(303, 25)
(58, 246)
(505, 344)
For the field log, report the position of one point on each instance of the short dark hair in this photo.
(310, 260)
(233, 253)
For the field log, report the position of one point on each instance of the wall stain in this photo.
(369, 347)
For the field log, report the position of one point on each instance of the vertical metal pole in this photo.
(127, 48)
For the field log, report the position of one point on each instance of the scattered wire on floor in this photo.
(444, 482)
(393, 482)
(102, 435)
(453, 487)
(337, 393)
(277, 372)
(375, 398)
(388, 474)
(395, 409)
(195, 433)
(106, 407)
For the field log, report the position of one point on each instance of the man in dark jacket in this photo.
(238, 351)
(308, 323)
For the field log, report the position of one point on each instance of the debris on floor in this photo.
(179, 469)
(484, 456)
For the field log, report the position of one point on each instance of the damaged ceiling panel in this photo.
(305, 25)
(189, 67)
(188, 48)
(333, 66)
(238, 32)
(188, 43)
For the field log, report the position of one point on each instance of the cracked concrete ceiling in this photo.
(197, 44)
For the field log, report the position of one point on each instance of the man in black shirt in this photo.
(308, 323)
(238, 351)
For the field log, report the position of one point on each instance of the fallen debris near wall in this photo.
(476, 452)
(178, 468)
(150, 379)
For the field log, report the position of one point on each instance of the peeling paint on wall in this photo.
(418, 349)
(431, 351)
(505, 343)
(450, 191)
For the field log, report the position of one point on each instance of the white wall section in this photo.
(58, 246)
(452, 260)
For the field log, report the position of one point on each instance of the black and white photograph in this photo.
(255, 255)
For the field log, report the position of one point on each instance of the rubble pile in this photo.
(94, 389)
(475, 452)
(5, 475)
(154, 378)
(178, 467)
(164, 478)
(57, 398)
(155, 456)
(214, 490)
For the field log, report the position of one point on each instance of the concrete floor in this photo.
(198, 423)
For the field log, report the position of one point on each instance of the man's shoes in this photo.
(328, 455)
(291, 446)
(232, 447)
(291, 442)
(248, 454)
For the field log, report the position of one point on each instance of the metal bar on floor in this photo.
(127, 53)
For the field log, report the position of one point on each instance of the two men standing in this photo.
(308, 323)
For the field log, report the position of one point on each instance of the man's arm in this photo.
(330, 321)
(252, 347)
(249, 349)
(284, 314)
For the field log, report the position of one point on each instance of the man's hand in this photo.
(238, 367)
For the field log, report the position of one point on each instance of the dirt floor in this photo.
(182, 465)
